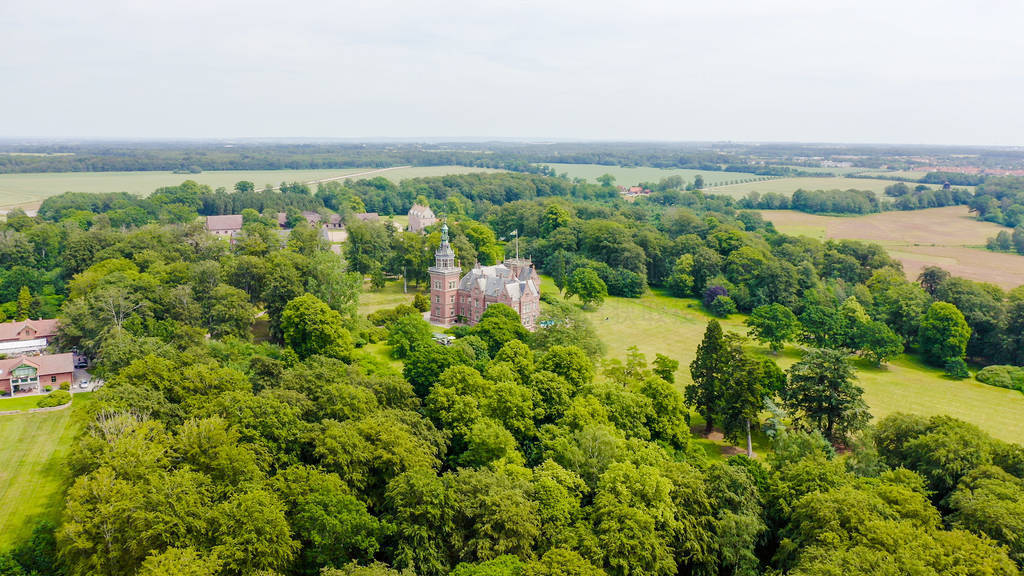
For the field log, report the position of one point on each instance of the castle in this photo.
(455, 300)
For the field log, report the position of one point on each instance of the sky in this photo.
(870, 71)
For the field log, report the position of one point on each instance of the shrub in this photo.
(712, 293)
(1002, 376)
(723, 306)
(65, 385)
(58, 398)
(957, 368)
(48, 388)
(421, 302)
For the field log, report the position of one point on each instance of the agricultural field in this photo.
(656, 323)
(28, 190)
(632, 176)
(789, 185)
(33, 475)
(947, 237)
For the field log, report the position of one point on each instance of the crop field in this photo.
(33, 476)
(789, 185)
(947, 237)
(29, 190)
(657, 323)
(632, 176)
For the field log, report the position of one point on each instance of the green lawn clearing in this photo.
(20, 403)
(33, 474)
(657, 323)
(391, 295)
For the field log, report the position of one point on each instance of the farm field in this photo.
(32, 471)
(631, 176)
(29, 190)
(657, 323)
(947, 237)
(789, 185)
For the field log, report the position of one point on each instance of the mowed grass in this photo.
(634, 175)
(19, 403)
(948, 237)
(388, 297)
(33, 473)
(657, 323)
(30, 189)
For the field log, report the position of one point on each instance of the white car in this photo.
(84, 383)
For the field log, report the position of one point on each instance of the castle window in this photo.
(437, 299)
(451, 300)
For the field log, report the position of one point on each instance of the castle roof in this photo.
(499, 280)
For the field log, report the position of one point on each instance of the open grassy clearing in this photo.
(657, 323)
(948, 237)
(631, 176)
(20, 403)
(388, 297)
(33, 475)
(30, 189)
(789, 185)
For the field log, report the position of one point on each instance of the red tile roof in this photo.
(45, 365)
(223, 223)
(42, 328)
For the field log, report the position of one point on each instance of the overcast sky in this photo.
(900, 71)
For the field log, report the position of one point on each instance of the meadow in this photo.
(657, 323)
(28, 190)
(947, 237)
(634, 175)
(33, 476)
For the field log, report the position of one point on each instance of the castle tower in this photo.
(444, 283)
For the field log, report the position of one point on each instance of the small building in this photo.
(420, 217)
(34, 373)
(312, 218)
(225, 226)
(457, 299)
(368, 216)
(27, 336)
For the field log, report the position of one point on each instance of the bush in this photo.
(65, 385)
(957, 368)
(723, 306)
(421, 302)
(1011, 377)
(58, 398)
(48, 388)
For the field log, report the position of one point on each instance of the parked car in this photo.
(84, 383)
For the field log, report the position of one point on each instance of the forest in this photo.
(303, 451)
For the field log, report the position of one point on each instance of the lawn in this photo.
(20, 403)
(33, 475)
(388, 297)
(31, 189)
(635, 175)
(657, 323)
(948, 237)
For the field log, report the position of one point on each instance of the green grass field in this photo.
(631, 176)
(30, 189)
(20, 403)
(657, 323)
(789, 185)
(33, 476)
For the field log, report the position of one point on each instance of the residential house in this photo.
(420, 217)
(224, 226)
(35, 373)
(27, 336)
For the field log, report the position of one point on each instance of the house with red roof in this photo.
(27, 336)
(34, 373)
